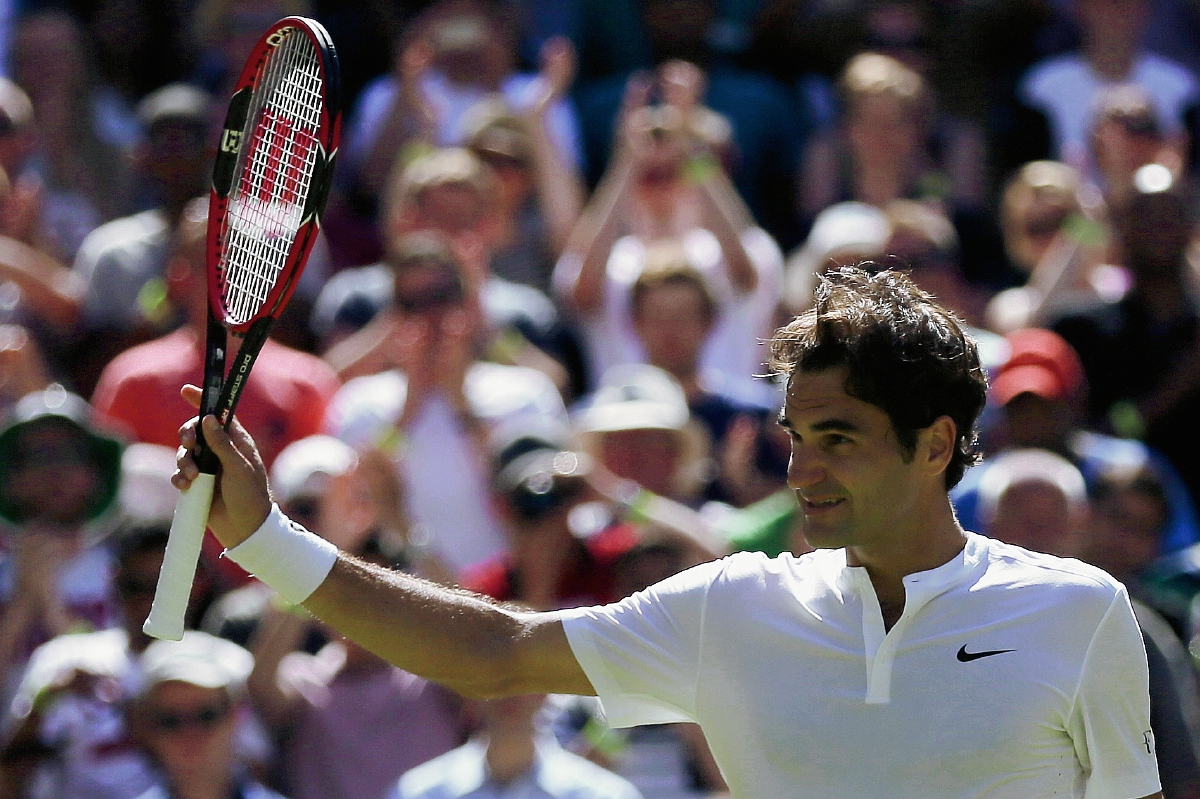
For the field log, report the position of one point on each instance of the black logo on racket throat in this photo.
(966, 657)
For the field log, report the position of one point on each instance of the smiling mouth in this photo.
(816, 506)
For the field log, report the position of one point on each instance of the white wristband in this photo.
(286, 557)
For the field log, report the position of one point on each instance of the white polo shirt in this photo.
(1010, 674)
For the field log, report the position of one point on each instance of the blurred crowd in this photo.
(526, 355)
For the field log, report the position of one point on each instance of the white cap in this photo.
(198, 659)
(305, 466)
(146, 494)
(635, 397)
(850, 230)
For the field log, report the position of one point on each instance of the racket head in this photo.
(273, 172)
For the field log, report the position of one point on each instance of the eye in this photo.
(834, 439)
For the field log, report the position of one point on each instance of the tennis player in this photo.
(904, 658)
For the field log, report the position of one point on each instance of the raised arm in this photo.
(461, 640)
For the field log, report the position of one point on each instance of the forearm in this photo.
(53, 291)
(279, 633)
(453, 637)
(594, 237)
(727, 218)
(461, 640)
(560, 189)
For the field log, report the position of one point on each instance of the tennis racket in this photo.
(271, 178)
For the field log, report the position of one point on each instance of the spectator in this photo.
(349, 722)
(427, 398)
(1039, 502)
(843, 233)
(1034, 499)
(550, 564)
(674, 313)
(451, 192)
(539, 197)
(1064, 87)
(452, 56)
(1139, 353)
(285, 395)
(59, 472)
(67, 733)
(514, 755)
(1041, 392)
(84, 133)
(1056, 237)
(646, 195)
(187, 717)
(1125, 135)
(124, 262)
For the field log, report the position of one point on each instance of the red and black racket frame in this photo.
(220, 392)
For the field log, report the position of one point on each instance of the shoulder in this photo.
(565, 774)
(1013, 567)
(300, 368)
(167, 354)
(1054, 72)
(146, 227)
(365, 406)
(456, 773)
(1163, 73)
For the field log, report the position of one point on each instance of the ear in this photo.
(936, 445)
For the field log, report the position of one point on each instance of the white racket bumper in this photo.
(179, 562)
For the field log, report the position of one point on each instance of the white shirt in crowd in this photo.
(1065, 88)
(556, 774)
(733, 349)
(445, 474)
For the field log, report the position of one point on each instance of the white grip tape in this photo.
(179, 561)
(286, 557)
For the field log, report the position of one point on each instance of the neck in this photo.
(203, 786)
(934, 540)
(509, 755)
(1111, 60)
(1164, 298)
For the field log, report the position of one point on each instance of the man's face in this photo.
(189, 730)
(54, 478)
(648, 457)
(855, 484)
(673, 322)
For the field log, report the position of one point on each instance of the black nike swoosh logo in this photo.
(966, 657)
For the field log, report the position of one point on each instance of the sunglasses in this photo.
(205, 718)
(433, 299)
(132, 588)
(74, 453)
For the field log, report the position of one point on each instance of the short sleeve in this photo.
(1110, 719)
(642, 654)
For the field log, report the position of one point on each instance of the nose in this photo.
(805, 468)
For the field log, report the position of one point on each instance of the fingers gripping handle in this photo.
(179, 562)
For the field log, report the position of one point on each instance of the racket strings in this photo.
(272, 176)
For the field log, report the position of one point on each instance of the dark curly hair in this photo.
(903, 353)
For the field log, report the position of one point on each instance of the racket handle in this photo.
(179, 561)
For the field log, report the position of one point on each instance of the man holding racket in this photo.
(904, 658)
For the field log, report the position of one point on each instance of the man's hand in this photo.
(242, 498)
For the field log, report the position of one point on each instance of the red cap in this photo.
(1041, 363)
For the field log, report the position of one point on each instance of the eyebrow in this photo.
(823, 426)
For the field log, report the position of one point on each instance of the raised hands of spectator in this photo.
(36, 609)
(556, 73)
(22, 368)
(411, 121)
(683, 85)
